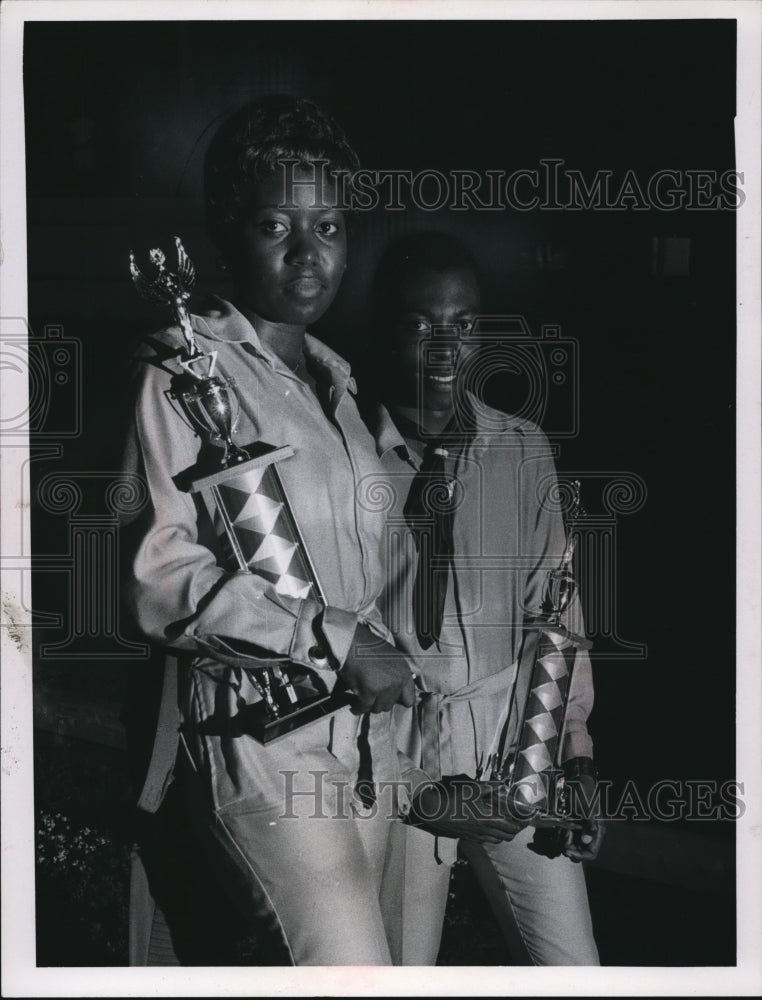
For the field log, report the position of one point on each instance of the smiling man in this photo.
(469, 546)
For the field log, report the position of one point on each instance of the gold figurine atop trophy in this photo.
(561, 585)
(246, 500)
(170, 288)
(209, 400)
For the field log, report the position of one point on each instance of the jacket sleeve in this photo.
(176, 592)
(412, 778)
(412, 774)
(549, 542)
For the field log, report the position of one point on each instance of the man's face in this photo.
(436, 310)
(291, 259)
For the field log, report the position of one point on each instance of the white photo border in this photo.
(20, 977)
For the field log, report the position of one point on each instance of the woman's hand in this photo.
(377, 674)
(466, 809)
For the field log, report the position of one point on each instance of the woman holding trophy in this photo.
(264, 601)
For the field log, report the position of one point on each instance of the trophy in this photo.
(529, 767)
(245, 498)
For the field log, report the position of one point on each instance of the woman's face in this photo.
(291, 258)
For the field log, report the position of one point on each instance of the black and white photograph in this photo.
(380, 498)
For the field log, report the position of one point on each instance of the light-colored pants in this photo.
(540, 903)
(327, 884)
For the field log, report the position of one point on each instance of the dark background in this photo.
(118, 116)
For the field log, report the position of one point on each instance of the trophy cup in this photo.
(245, 498)
(529, 767)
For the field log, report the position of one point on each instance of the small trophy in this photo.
(246, 500)
(529, 767)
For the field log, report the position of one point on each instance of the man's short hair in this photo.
(411, 254)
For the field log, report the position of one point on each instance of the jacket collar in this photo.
(385, 432)
(487, 421)
(223, 322)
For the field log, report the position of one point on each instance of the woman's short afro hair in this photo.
(250, 146)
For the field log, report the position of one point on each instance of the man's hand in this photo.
(585, 843)
(465, 809)
(377, 673)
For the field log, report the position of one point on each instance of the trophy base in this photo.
(543, 819)
(548, 821)
(265, 729)
(548, 841)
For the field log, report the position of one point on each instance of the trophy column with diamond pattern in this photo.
(258, 534)
(546, 662)
(245, 499)
(549, 654)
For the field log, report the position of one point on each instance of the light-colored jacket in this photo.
(508, 534)
(184, 599)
